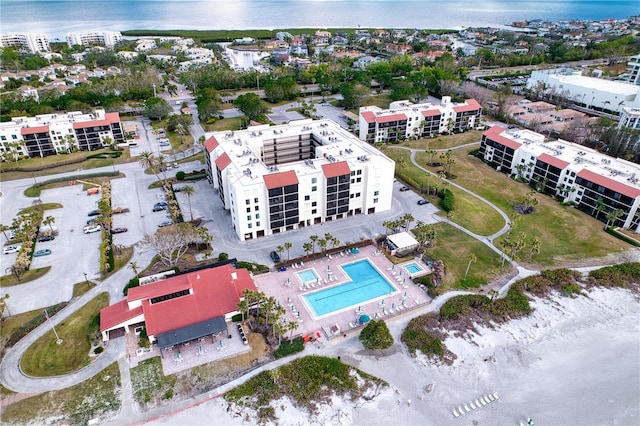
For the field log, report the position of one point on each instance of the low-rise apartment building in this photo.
(274, 179)
(598, 184)
(405, 120)
(50, 134)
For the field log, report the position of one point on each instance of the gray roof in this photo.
(191, 332)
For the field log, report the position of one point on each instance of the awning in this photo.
(191, 332)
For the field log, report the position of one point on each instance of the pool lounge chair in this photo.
(478, 403)
(461, 410)
(455, 413)
(491, 398)
(466, 408)
(301, 263)
(495, 395)
(471, 404)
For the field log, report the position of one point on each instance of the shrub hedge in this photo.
(289, 347)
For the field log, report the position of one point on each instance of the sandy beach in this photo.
(573, 361)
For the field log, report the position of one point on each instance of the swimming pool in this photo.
(412, 268)
(365, 284)
(307, 276)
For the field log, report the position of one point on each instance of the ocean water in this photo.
(57, 17)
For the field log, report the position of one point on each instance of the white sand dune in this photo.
(573, 361)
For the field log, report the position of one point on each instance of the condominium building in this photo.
(274, 179)
(50, 134)
(87, 39)
(405, 120)
(630, 117)
(597, 183)
(28, 42)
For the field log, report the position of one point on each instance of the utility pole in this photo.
(58, 339)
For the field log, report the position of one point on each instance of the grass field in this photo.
(30, 275)
(40, 207)
(46, 358)
(445, 141)
(75, 405)
(470, 212)
(453, 247)
(566, 233)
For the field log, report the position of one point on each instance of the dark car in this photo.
(158, 208)
(118, 230)
(404, 188)
(423, 202)
(275, 256)
(94, 213)
(46, 238)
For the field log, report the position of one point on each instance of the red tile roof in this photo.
(118, 313)
(109, 118)
(612, 184)
(556, 162)
(389, 118)
(211, 144)
(278, 180)
(369, 117)
(431, 112)
(33, 130)
(340, 168)
(214, 292)
(223, 161)
(471, 105)
(494, 134)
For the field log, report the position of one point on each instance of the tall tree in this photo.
(472, 259)
(189, 190)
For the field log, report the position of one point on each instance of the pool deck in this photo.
(285, 287)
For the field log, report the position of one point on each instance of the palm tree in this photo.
(134, 267)
(307, 247)
(280, 250)
(313, 239)
(189, 190)
(49, 220)
(407, 218)
(535, 245)
(322, 243)
(4, 229)
(613, 216)
(288, 246)
(148, 161)
(472, 259)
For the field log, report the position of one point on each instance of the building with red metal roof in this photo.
(405, 120)
(599, 185)
(181, 307)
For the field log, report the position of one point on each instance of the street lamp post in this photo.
(86, 280)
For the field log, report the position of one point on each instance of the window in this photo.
(314, 188)
(249, 226)
(256, 208)
(247, 201)
(257, 215)
(358, 180)
(307, 197)
(255, 200)
(314, 211)
(248, 217)
(359, 172)
(375, 200)
(314, 203)
(376, 193)
(248, 209)
(314, 180)
(257, 224)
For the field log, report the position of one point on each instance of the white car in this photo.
(91, 228)
(11, 249)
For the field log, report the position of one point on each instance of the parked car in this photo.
(423, 202)
(161, 203)
(165, 223)
(11, 234)
(94, 213)
(275, 256)
(158, 208)
(91, 228)
(46, 238)
(176, 165)
(40, 253)
(404, 188)
(11, 249)
(92, 221)
(118, 230)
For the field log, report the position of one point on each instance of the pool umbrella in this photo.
(404, 294)
(393, 266)
(298, 314)
(403, 280)
(328, 267)
(288, 299)
(364, 319)
(359, 309)
(383, 311)
(400, 273)
(288, 280)
(403, 302)
(393, 306)
(277, 303)
(284, 319)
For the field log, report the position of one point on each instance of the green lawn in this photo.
(453, 247)
(30, 275)
(470, 212)
(222, 125)
(445, 141)
(40, 207)
(45, 358)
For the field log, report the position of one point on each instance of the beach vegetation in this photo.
(376, 335)
(308, 382)
(96, 397)
(462, 314)
(289, 347)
